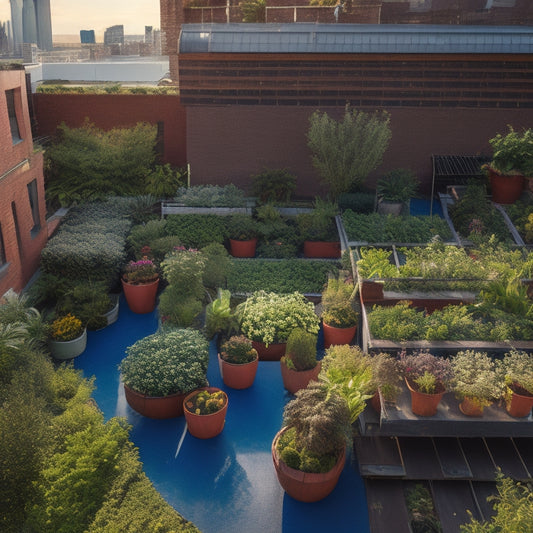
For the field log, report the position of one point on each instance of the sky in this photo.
(71, 16)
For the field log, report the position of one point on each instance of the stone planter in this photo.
(65, 350)
(155, 406)
(205, 426)
(141, 298)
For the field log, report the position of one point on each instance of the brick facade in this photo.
(23, 236)
(113, 111)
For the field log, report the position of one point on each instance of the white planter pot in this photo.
(64, 350)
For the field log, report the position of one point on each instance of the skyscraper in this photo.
(114, 35)
(32, 23)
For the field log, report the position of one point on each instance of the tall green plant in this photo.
(347, 150)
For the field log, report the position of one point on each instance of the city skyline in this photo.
(71, 16)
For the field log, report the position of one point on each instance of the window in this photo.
(13, 122)
(3, 259)
(34, 205)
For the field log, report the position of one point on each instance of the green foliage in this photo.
(513, 509)
(217, 266)
(219, 317)
(319, 225)
(238, 350)
(513, 152)
(521, 215)
(339, 307)
(47, 88)
(426, 383)
(147, 234)
(163, 181)
(386, 375)
(359, 202)
(211, 196)
(283, 276)
(376, 263)
(398, 185)
(90, 164)
(253, 10)
(346, 151)
(196, 231)
(517, 366)
(421, 509)
(273, 185)
(300, 353)
(241, 227)
(376, 228)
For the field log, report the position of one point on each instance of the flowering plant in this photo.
(238, 350)
(166, 362)
(185, 266)
(518, 370)
(426, 371)
(206, 403)
(476, 376)
(66, 328)
(140, 272)
(269, 317)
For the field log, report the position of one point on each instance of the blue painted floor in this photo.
(228, 483)
(422, 207)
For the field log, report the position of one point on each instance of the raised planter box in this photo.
(174, 208)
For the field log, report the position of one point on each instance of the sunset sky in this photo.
(71, 16)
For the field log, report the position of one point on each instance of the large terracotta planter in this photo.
(272, 352)
(518, 405)
(242, 248)
(294, 380)
(141, 298)
(305, 486)
(371, 290)
(238, 376)
(159, 407)
(205, 426)
(335, 336)
(322, 249)
(423, 404)
(506, 189)
(65, 350)
(470, 407)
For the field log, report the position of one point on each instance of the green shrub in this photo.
(300, 353)
(211, 196)
(197, 231)
(217, 266)
(359, 202)
(163, 181)
(274, 185)
(143, 235)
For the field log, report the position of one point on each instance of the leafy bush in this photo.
(147, 234)
(273, 185)
(301, 350)
(359, 202)
(196, 231)
(163, 181)
(217, 266)
(284, 276)
(211, 196)
(376, 228)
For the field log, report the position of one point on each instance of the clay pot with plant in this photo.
(140, 281)
(299, 365)
(477, 381)
(238, 361)
(242, 233)
(394, 190)
(205, 412)
(517, 367)
(426, 376)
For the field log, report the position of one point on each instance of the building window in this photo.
(34, 205)
(13, 122)
(3, 259)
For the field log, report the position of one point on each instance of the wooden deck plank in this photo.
(506, 456)
(482, 490)
(379, 456)
(452, 459)
(386, 506)
(452, 499)
(478, 458)
(419, 458)
(525, 449)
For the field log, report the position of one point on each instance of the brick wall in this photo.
(109, 111)
(19, 166)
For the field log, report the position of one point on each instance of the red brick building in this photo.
(23, 231)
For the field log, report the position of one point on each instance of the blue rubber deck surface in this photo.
(420, 207)
(228, 483)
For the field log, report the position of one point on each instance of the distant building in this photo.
(4, 38)
(114, 35)
(87, 37)
(32, 23)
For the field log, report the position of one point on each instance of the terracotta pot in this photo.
(242, 248)
(274, 352)
(506, 189)
(333, 335)
(305, 486)
(322, 249)
(423, 404)
(141, 298)
(518, 405)
(371, 290)
(155, 406)
(68, 349)
(205, 426)
(471, 407)
(238, 376)
(375, 402)
(294, 380)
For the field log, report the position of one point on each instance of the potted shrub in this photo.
(426, 376)
(68, 337)
(374, 263)
(299, 365)
(386, 377)
(205, 412)
(310, 450)
(512, 159)
(339, 314)
(319, 230)
(220, 319)
(477, 381)
(267, 319)
(518, 372)
(242, 233)
(140, 280)
(238, 361)
(160, 370)
(394, 190)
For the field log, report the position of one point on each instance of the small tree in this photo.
(346, 151)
